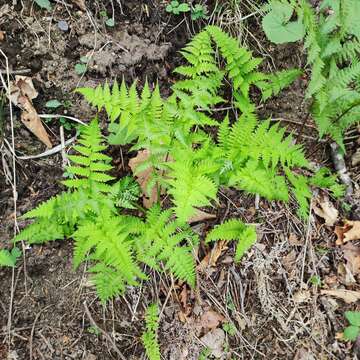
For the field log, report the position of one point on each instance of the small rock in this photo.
(63, 25)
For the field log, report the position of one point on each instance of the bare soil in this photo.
(277, 311)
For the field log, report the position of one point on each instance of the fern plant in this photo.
(101, 213)
(332, 41)
(150, 336)
(249, 154)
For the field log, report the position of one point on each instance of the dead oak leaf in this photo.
(350, 231)
(326, 210)
(22, 92)
(349, 296)
(214, 340)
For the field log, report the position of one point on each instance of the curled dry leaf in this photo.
(144, 177)
(350, 231)
(349, 296)
(212, 257)
(22, 92)
(201, 216)
(326, 210)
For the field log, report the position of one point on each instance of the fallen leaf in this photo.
(2, 35)
(304, 354)
(349, 296)
(294, 240)
(201, 216)
(350, 231)
(80, 4)
(22, 91)
(211, 258)
(144, 177)
(326, 210)
(352, 256)
(354, 232)
(214, 340)
(210, 320)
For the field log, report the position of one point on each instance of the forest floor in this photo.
(285, 300)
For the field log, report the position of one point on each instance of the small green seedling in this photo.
(93, 330)
(8, 258)
(315, 280)
(176, 8)
(80, 68)
(352, 331)
(44, 4)
(109, 21)
(205, 354)
(229, 328)
(198, 12)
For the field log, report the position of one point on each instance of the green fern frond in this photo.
(91, 165)
(234, 229)
(150, 336)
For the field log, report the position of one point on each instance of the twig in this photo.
(57, 116)
(107, 336)
(49, 152)
(16, 72)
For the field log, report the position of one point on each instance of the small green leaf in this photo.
(8, 258)
(110, 22)
(353, 317)
(44, 4)
(169, 9)
(53, 104)
(278, 27)
(351, 333)
(80, 69)
(184, 7)
(103, 13)
(174, 4)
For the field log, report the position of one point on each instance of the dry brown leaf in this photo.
(302, 296)
(2, 35)
(210, 320)
(200, 216)
(326, 210)
(22, 92)
(349, 296)
(212, 257)
(214, 340)
(143, 177)
(352, 256)
(354, 232)
(350, 231)
(294, 240)
(80, 4)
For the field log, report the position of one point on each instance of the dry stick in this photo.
(7, 87)
(107, 336)
(33, 330)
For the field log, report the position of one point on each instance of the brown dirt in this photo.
(269, 297)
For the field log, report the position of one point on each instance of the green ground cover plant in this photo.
(331, 37)
(102, 214)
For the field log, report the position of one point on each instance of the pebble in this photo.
(63, 25)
